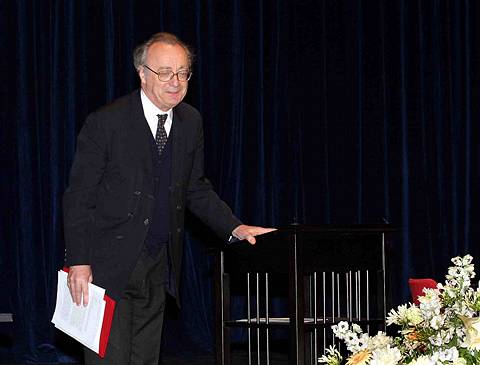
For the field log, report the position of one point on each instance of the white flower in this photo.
(450, 355)
(462, 261)
(459, 332)
(441, 338)
(363, 341)
(343, 326)
(414, 315)
(443, 328)
(472, 327)
(454, 271)
(341, 329)
(386, 356)
(423, 360)
(457, 261)
(351, 338)
(392, 317)
(378, 341)
(405, 315)
(352, 342)
(331, 357)
(430, 303)
(460, 361)
(437, 322)
(356, 328)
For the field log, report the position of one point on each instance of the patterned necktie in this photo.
(161, 135)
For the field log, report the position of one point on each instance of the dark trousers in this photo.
(137, 323)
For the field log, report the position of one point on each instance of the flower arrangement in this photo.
(443, 329)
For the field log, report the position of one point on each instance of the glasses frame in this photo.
(172, 75)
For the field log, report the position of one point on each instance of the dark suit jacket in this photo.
(109, 202)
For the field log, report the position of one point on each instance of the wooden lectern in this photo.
(326, 273)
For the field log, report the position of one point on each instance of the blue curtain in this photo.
(315, 112)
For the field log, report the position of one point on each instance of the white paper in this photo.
(82, 323)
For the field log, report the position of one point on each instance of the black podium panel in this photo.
(325, 250)
(326, 274)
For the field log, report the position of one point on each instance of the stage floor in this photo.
(239, 358)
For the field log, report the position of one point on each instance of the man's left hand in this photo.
(244, 232)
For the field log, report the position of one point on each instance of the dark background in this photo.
(315, 112)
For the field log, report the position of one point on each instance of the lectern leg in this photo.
(226, 316)
(296, 305)
(222, 313)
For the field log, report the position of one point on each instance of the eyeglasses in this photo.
(167, 75)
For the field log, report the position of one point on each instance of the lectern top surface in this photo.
(345, 228)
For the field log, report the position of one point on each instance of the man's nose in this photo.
(175, 81)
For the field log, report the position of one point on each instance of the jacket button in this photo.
(179, 230)
(146, 222)
(137, 192)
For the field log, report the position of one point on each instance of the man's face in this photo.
(160, 56)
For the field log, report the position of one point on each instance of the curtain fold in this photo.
(315, 112)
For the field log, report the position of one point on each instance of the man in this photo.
(139, 163)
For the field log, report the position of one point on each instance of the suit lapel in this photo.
(140, 139)
(178, 141)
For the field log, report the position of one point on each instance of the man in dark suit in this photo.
(138, 165)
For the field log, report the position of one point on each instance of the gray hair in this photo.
(140, 52)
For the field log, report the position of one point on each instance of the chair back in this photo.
(417, 286)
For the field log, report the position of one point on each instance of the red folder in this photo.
(106, 324)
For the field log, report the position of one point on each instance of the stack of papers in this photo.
(82, 323)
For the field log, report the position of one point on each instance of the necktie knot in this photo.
(162, 118)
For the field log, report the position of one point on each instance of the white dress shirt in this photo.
(151, 110)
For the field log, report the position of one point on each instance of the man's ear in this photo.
(141, 74)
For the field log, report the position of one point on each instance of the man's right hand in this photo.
(78, 278)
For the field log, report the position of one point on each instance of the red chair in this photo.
(417, 286)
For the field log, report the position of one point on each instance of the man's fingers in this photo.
(251, 239)
(79, 290)
(243, 232)
(85, 294)
(73, 291)
(260, 230)
(78, 293)
(78, 278)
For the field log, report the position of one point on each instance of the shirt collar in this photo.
(151, 111)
